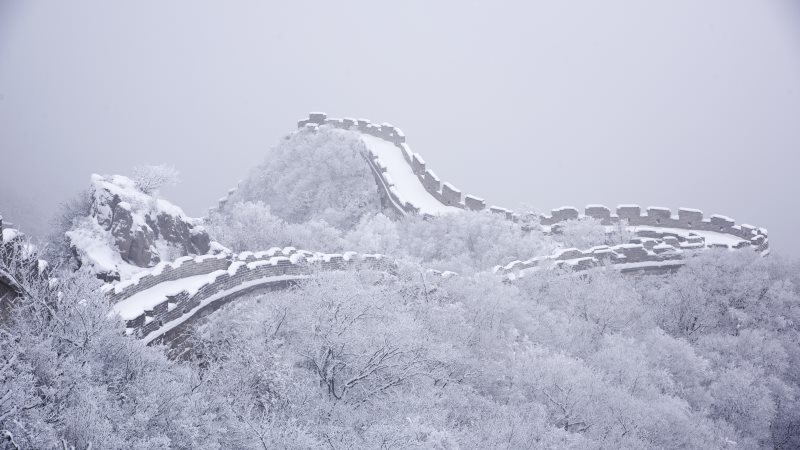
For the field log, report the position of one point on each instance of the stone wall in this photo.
(687, 219)
(234, 273)
(183, 267)
(684, 219)
(442, 191)
(623, 257)
(224, 200)
(648, 250)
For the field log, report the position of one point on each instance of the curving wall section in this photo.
(444, 192)
(149, 310)
(640, 255)
(661, 241)
(653, 222)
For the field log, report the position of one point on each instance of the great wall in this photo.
(162, 298)
(150, 306)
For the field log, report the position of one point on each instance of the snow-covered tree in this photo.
(581, 233)
(150, 178)
(315, 175)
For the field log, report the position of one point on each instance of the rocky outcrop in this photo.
(19, 264)
(128, 229)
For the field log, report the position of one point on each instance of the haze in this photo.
(671, 104)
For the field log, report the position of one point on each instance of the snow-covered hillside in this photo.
(477, 327)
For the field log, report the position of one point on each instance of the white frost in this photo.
(409, 188)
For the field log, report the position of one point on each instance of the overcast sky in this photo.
(680, 103)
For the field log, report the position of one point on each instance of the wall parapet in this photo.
(443, 191)
(447, 194)
(691, 220)
(227, 275)
(659, 233)
(623, 257)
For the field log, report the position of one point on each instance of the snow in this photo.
(576, 261)
(409, 188)
(720, 216)
(94, 243)
(135, 305)
(562, 251)
(267, 262)
(650, 264)
(222, 294)
(9, 234)
(711, 237)
(158, 269)
(451, 187)
(97, 246)
(126, 189)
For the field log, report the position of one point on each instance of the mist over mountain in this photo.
(544, 225)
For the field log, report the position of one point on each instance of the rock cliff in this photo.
(127, 229)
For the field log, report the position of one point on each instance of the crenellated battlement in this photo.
(661, 240)
(643, 254)
(663, 218)
(210, 279)
(183, 267)
(632, 216)
(443, 191)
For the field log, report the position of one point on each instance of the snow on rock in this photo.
(127, 230)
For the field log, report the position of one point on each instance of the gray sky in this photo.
(679, 103)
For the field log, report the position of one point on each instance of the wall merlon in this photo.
(418, 164)
(450, 195)
(629, 212)
(317, 117)
(688, 216)
(748, 230)
(499, 210)
(564, 213)
(431, 182)
(336, 123)
(406, 154)
(656, 212)
(474, 203)
(722, 222)
(600, 212)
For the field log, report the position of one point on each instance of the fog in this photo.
(541, 104)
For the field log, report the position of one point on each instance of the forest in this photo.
(702, 357)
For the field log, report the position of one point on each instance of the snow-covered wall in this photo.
(661, 240)
(209, 281)
(664, 221)
(443, 192)
(646, 254)
(448, 195)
